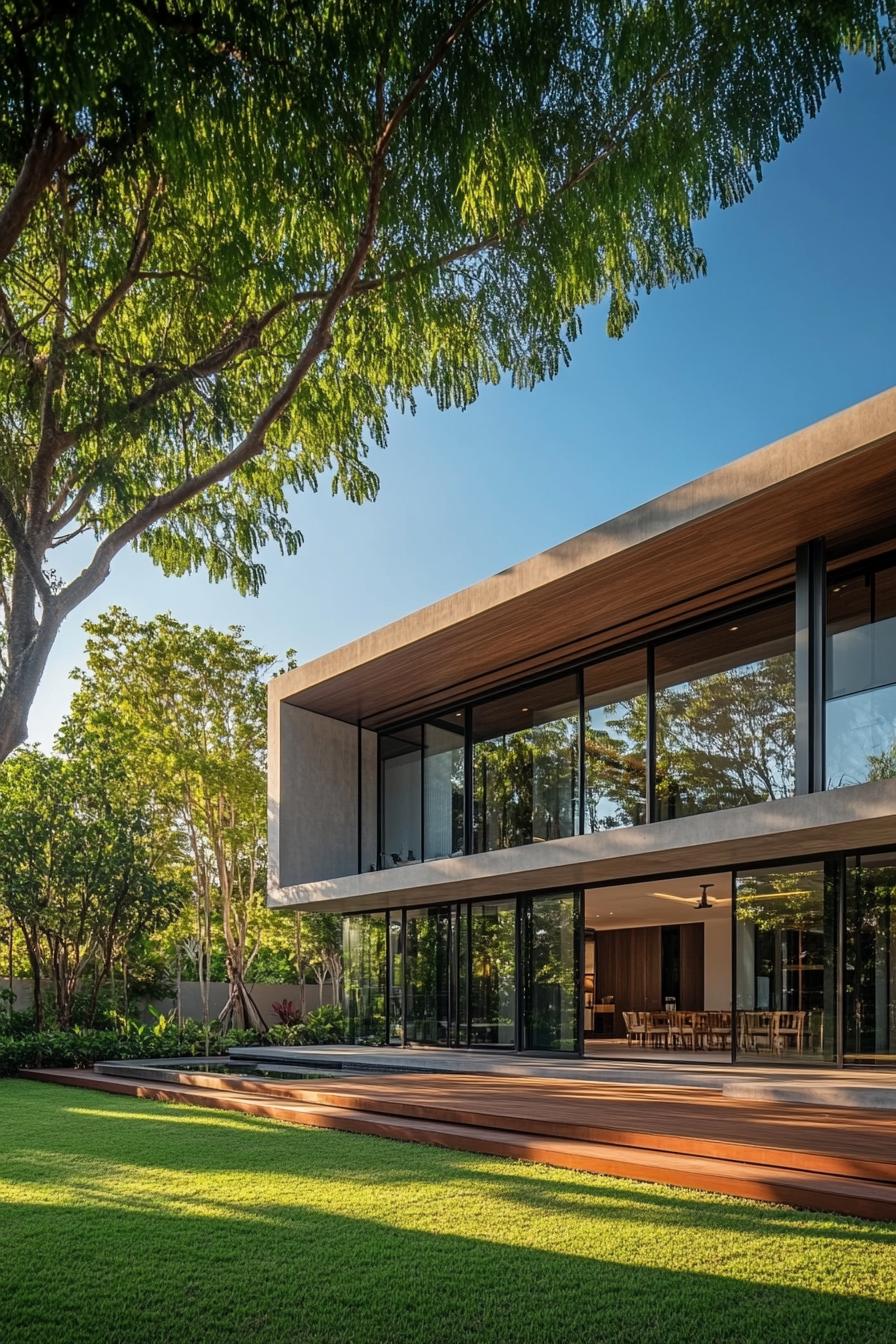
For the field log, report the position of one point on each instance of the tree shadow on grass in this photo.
(340, 1158)
(147, 1276)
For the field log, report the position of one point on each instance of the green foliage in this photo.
(324, 1026)
(251, 232)
(84, 870)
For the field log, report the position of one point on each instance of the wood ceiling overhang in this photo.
(726, 537)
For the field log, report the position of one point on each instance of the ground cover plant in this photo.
(128, 1220)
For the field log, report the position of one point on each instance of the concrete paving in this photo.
(806, 1084)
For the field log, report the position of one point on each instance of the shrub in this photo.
(287, 1012)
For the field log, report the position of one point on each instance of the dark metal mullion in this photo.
(469, 978)
(404, 978)
(522, 905)
(579, 972)
(468, 779)
(840, 962)
(734, 976)
(581, 678)
(651, 801)
(422, 792)
(360, 814)
(380, 800)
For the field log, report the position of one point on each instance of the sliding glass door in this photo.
(551, 977)
(870, 990)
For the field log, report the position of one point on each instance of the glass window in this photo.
(550, 986)
(364, 983)
(443, 787)
(493, 973)
(525, 766)
(785, 922)
(725, 715)
(870, 988)
(860, 678)
(401, 797)
(396, 984)
(615, 743)
(427, 975)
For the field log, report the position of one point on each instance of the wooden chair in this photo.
(788, 1030)
(634, 1028)
(657, 1029)
(684, 1030)
(755, 1031)
(718, 1029)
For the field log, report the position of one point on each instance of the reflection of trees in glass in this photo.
(364, 982)
(727, 740)
(525, 785)
(552, 1018)
(871, 959)
(786, 908)
(493, 973)
(616, 764)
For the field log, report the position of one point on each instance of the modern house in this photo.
(637, 793)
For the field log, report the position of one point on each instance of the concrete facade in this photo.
(731, 534)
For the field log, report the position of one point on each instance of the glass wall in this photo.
(551, 1017)
(396, 980)
(870, 990)
(615, 743)
(526, 766)
(364, 978)
(443, 787)
(493, 973)
(726, 715)
(860, 677)
(785, 919)
(401, 756)
(427, 976)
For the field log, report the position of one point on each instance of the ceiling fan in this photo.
(702, 904)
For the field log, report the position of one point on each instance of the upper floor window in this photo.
(526, 766)
(615, 742)
(860, 677)
(422, 791)
(726, 715)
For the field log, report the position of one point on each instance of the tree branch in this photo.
(318, 342)
(142, 241)
(50, 149)
(22, 547)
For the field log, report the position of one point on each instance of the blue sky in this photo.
(795, 320)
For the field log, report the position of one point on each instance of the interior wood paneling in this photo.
(691, 967)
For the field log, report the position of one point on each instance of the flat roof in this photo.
(725, 536)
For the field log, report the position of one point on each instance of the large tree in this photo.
(184, 709)
(84, 871)
(234, 235)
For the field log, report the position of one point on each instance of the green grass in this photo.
(132, 1221)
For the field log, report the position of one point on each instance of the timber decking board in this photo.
(751, 1180)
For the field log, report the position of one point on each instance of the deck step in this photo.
(750, 1180)
(321, 1093)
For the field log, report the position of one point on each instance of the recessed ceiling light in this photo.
(457, 715)
(734, 627)
(525, 709)
(838, 588)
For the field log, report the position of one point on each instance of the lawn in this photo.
(133, 1221)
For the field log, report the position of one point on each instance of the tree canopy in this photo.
(234, 237)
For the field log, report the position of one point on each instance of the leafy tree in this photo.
(234, 236)
(83, 873)
(186, 707)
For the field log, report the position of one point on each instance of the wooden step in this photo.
(389, 1095)
(804, 1189)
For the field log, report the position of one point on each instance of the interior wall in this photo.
(717, 964)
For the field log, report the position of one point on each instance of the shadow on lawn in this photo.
(203, 1141)
(147, 1275)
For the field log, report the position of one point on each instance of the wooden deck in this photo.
(837, 1159)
